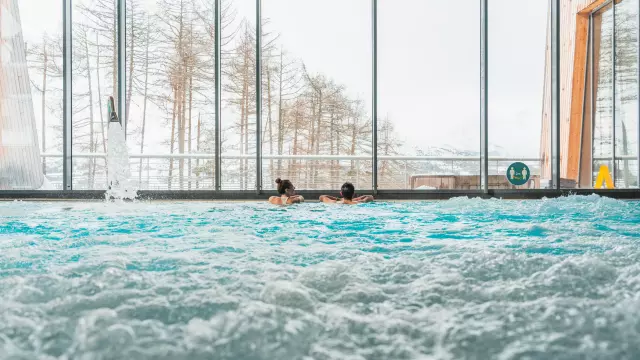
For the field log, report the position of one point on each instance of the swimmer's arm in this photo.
(363, 199)
(275, 200)
(328, 199)
(296, 199)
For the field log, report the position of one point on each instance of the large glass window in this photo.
(170, 69)
(316, 93)
(517, 39)
(428, 94)
(626, 96)
(613, 89)
(238, 95)
(30, 95)
(95, 78)
(603, 89)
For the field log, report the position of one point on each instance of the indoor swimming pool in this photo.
(456, 279)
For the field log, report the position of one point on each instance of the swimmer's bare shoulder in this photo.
(275, 200)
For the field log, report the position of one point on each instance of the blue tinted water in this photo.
(465, 278)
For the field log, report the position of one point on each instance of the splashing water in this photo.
(458, 279)
(120, 188)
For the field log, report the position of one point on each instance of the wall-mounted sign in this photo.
(518, 174)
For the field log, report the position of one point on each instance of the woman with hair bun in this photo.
(287, 194)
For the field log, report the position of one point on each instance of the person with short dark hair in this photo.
(347, 192)
(287, 194)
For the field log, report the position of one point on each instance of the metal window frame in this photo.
(67, 126)
(121, 28)
(555, 93)
(218, 94)
(374, 95)
(484, 92)
(383, 195)
(555, 75)
(592, 93)
(613, 94)
(258, 96)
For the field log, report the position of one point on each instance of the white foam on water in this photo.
(119, 185)
(192, 280)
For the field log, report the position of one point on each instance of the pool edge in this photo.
(230, 195)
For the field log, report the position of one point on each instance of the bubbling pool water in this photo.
(459, 279)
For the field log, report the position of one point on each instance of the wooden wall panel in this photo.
(586, 161)
(577, 96)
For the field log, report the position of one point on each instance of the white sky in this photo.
(428, 58)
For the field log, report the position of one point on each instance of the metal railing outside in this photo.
(151, 171)
(154, 171)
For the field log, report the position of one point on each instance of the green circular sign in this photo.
(518, 173)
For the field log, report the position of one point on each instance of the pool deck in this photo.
(313, 195)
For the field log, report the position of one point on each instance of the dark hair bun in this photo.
(278, 181)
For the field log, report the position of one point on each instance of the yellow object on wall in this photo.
(604, 177)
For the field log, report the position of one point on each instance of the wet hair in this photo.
(348, 190)
(283, 185)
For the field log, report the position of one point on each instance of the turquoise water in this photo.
(459, 279)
